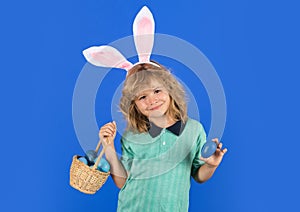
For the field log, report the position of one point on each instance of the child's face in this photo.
(154, 101)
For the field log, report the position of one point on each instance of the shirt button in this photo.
(164, 143)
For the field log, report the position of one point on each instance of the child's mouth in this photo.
(156, 108)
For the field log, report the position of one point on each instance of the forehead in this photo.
(149, 86)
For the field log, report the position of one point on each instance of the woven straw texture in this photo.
(86, 179)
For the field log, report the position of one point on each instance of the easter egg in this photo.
(208, 149)
(90, 155)
(83, 160)
(103, 165)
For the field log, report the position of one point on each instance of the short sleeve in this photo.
(201, 139)
(127, 154)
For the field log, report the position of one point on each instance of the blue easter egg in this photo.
(90, 155)
(83, 160)
(103, 165)
(208, 149)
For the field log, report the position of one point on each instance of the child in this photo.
(161, 147)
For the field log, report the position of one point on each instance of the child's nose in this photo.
(152, 99)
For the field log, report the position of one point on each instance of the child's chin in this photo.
(155, 115)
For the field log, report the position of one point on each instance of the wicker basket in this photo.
(87, 179)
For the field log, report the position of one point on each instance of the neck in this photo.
(162, 121)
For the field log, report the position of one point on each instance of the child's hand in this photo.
(108, 133)
(216, 158)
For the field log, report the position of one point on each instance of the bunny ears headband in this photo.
(143, 31)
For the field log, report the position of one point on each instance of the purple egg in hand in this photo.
(208, 149)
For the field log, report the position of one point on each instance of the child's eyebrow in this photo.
(149, 89)
(142, 93)
(158, 88)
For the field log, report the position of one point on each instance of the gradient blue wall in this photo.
(253, 45)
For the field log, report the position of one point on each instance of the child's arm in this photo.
(206, 171)
(118, 173)
(107, 134)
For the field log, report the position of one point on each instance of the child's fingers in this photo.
(111, 127)
(106, 134)
(115, 125)
(216, 140)
(224, 150)
(107, 131)
(221, 152)
(219, 146)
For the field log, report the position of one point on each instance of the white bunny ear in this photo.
(143, 31)
(106, 56)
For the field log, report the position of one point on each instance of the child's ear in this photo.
(106, 56)
(143, 32)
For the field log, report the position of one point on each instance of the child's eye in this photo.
(157, 91)
(141, 97)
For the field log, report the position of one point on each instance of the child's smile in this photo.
(153, 102)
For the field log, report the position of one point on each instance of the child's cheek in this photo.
(143, 105)
(163, 96)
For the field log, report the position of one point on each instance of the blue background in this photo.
(253, 45)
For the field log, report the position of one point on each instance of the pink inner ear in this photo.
(105, 58)
(145, 26)
(124, 66)
(111, 60)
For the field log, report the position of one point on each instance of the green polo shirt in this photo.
(160, 168)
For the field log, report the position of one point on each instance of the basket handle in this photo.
(101, 153)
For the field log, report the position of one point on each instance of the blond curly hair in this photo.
(138, 79)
